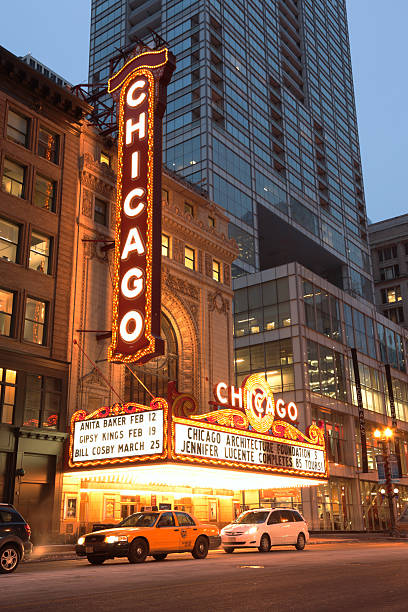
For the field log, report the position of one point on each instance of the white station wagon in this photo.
(265, 527)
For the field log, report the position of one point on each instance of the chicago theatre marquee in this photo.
(169, 430)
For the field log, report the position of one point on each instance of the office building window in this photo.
(216, 271)
(211, 222)
(165, 245)
(395, 314)
(273, 360)
(165, 195)
(333, 425)
(17, 128)
(9, 234)
(391, 295)
(390, 272)
(262, 307)
(326, 371)
(6, 312)
(43, 401)
(104, 158)
(322, 311)
(35, 321)
(44, 193)
(13, 178)
(39, 253)
(101, 211)
(386, 253)
(7, 395)
(189, 209)
(189, 258)
(48, 145)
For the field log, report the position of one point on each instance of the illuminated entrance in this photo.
(123, 458)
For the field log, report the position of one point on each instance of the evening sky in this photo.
(56, 32)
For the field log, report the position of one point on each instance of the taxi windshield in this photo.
(140, 519)
(251, 518)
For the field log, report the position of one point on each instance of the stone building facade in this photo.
(40, 133)
(196, 317)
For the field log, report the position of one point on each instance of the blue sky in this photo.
(57, 33)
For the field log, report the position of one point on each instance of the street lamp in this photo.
(384, 437)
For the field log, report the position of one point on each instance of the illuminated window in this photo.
(42, 401)
(6, 312)
(101, 211)
(17, 128)
(189, 258)
(104, 158)
(7, 395)
(13, 178)
(211, 222)
(35, 321)
(9, 234)
(391, 295)
(188, 208)
(39, 253)
(48, 145)
(216, 271)
(165, 195)
(44, 193)
(165, 245)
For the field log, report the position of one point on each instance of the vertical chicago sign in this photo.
(140, 89)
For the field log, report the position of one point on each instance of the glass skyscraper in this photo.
(261, 115)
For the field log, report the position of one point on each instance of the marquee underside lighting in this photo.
(170, 474)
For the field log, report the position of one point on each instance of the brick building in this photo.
(40, 133)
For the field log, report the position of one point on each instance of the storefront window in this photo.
(334, 504)
(157, 373)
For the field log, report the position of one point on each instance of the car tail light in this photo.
(28, 529)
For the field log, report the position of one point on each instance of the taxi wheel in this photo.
(138, 551)
(200, 550)
(229, 550)
(160, 556)
(95, 560)
(264, 544)
(301, 542)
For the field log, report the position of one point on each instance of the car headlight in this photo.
(253, 530)
(81, 540)
(111, 539)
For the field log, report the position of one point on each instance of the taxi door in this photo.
(166, 536)
(188, 530)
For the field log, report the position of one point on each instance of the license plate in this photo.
(89, 549)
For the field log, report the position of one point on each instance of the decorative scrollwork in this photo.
(184, 405)
(316, 435)
(229, 417)
(281, 429)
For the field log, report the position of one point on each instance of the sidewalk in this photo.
(66, 552)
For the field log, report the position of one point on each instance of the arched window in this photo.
(157, 373)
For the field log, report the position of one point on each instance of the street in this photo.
(361, 576)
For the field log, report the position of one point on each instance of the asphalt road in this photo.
(364, 576)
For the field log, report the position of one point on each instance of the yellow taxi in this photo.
(150, 533)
